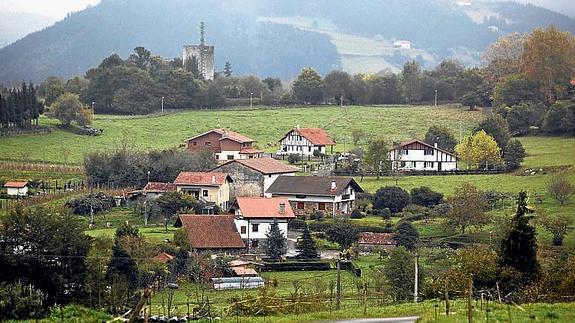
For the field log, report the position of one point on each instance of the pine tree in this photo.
(519, 247)
(276, 242)
(306, 246)
(228, 69)
(123, 266)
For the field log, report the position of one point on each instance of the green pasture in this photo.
(266, 125)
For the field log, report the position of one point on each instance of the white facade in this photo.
(423, 158)
(402, 44)
(257, 228)
(17, 191)
(333, 205)
(269, 179)
(298, 145)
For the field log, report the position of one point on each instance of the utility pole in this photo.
(341, 99)
(91, 206)
(251, 100)
(93, 110)
(338, 286)
(416, 287)
(162, 105)
(435, 97)
(469, 300)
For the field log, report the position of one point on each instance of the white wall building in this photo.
(16, 188)
(402, 44)
(304, 141)
(416, 155)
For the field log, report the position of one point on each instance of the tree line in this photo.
(19, 107)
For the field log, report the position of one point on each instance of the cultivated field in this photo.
(264, 125)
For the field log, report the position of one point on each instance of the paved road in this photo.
(410, 319)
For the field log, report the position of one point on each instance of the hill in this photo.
(274, 38)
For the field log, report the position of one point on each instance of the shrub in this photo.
(296, 224)
(99, 202)
(318, 215)
(392, 197)
(356, 214)
(406, 235)
(293, 158)
(20, 301)
(425, 196)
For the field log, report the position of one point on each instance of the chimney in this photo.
(213, 179)
(333, 185)
(282, 208)
(435, 145)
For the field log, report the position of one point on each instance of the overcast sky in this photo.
(56, 9)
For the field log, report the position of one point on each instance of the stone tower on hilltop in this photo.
(203, 54)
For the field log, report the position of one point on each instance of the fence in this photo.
(341, 172)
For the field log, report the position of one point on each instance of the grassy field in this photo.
(264, 125)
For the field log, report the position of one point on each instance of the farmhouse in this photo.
(211, 233)
(16, 188)
(370, 241)
(308, 194)
(255, 215)
(225, 144)
(304, 141)
(206, 187)
(252, 177)
(416, 155)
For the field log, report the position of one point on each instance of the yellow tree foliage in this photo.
(549, 58)
(479, 150)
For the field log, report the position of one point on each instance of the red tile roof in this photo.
(316, 136)
(261, 207)
(244, 271)
(226, 134)
(264, 165)
(159, 187)
(164, 257)
(376, 238)
(211, 231)
(250, 151)
(238, 263)
(16, 184)
(202, 178)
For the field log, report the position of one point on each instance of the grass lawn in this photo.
(264, 125)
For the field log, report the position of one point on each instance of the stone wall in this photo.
(247, 182)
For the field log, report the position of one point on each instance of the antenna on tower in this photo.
(202, 33)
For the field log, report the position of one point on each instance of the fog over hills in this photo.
(275, 37)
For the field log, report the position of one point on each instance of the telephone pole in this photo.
(338, 286)
(416, 287)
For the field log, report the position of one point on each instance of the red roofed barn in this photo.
(225, 144)
(304, 141)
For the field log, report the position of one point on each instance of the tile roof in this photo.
(238, 262)
(412, 141)
(312, 185)
(202, 178)
(316, 136)
(159, 187)
(15, 184)
(265, 165)
(376, 238)
(211, 231)
(261, 207)
(244, 271)
(164, 257)
(250, 151)
(226, 134)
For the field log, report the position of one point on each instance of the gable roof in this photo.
(159, 187)
(407, 143)
(164, 257)
(316, 136)
(244, 271)
(312, 185)
(202, 178)
(261, 207)
(225, 134)
(376, 238)
(15, 184)
(211, 231)
(265, 165)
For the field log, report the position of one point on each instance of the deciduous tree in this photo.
(468, 208)
(558, 224)
(479, 150)
(392, 197)
(442, 136)
(514, 154)
(308, 87)
(405, 235)
(377, 156)
(68, 109)
(560, 188)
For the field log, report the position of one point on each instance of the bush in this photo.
(392, 197)
(100, 202)
(293, 158)
(424, 196)
(21, 301)
(356, 214)
(318, 216)
(406, 235)
(296, 224)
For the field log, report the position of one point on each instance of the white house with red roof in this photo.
(255, 215)
(16, 188)
(304, 141)
(225, 144)
(417, 155)
(209, 187)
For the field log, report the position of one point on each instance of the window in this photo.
(230, 157)
(255, 244)
(310, 149)
(428, 152)
(402, 164)
(321, 206)
(300, 205)
(205, 193)
(414, 164)
(195, 143)
(207, 143)
(255, 227)
(404, 152)
(243, 229)
(428, 165)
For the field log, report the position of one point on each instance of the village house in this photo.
(255, 215)
(153, 190)
(416, 155)
(372, 241)
(16, 188)
(225, 144)
(333, 196)
(304, 141)
(206, 187)
(212, 233)
(252, 177)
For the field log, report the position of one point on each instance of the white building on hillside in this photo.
(416, 155)
(304, 141)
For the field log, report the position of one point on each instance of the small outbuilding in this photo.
(370, 241)
(16, 188)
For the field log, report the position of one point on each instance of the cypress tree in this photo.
(306, 246)
(122, 265)
(519, 247)
(276, 243)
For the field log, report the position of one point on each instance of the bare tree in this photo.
(560, 188)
